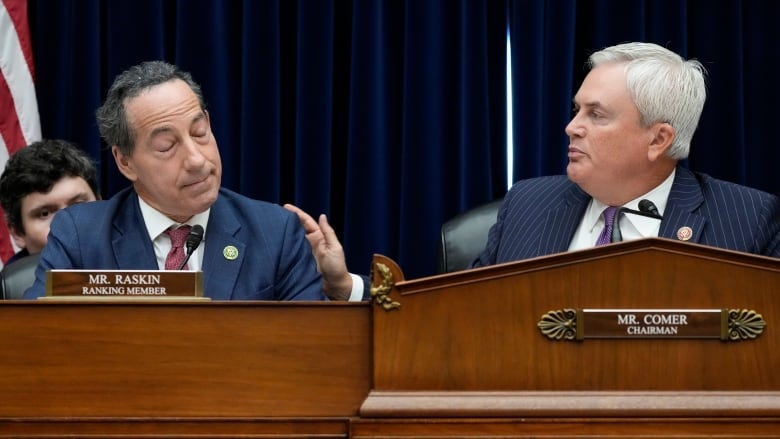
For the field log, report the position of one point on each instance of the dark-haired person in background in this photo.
(39, 180)
(634, 116)
(154, 119)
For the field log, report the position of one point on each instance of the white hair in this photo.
(663, 86)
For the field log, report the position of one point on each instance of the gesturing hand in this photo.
(327, 251)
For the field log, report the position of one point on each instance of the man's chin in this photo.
(579, 173)
(573, 171)
(207, 199)
(200, 200)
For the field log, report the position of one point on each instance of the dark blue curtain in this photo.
(390, 116)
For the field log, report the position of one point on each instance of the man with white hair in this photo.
(634, 116)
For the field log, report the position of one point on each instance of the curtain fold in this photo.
(427, 123)
(543, 67)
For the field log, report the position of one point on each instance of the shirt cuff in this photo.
(357, 288)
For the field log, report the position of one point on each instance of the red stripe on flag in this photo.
(17, 9)
(11, 132)
(10, 128)
(6, 247)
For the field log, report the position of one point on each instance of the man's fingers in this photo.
(306, 220)
(327, 231)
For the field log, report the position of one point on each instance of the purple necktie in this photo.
(609, 222)
(176, 255)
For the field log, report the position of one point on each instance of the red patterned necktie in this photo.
(176, 255)
(609, 222)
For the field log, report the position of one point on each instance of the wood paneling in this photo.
(461, 357)
(163, 366)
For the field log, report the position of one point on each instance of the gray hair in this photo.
(111, 116)
(663, 86)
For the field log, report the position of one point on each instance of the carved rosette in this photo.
(559, 324)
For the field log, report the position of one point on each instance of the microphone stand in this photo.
(193, 241)
(646, 209)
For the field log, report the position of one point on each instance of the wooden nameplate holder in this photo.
(124, 284)
(642, 338)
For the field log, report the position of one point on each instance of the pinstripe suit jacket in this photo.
(539, 216)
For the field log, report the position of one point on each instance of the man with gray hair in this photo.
(634, 116)
(155, 121)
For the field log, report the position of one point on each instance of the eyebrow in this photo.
(588, 104)
(160, 130)
(79, 196)
(52, 206)
(38, 209)
(166, 128)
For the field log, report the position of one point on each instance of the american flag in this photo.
(19, 121)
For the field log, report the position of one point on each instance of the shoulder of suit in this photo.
(105, 205)
(712, 184)
(550, 182)
(547, 190)
(230, 197)
(547, 179)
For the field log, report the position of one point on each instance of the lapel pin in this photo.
(684, 233)
(231, 253)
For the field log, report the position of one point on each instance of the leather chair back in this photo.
(464, 237)
(17, 277)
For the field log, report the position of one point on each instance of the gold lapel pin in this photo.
(684, 233)
(230, 253)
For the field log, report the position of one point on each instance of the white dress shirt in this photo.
(157, 223)
(631, 226)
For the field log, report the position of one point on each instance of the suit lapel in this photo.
(681, 219)
(564, 220)
(132, 247)
(223, 253)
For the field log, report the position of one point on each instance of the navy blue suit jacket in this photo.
(274, 259)
(539, 216)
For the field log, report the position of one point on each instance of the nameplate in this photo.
(124, 283)
(722, 324)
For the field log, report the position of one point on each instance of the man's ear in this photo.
(662, 141)
(124, 163)
(19, 238)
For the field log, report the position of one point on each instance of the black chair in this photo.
(17, 277)
(464, 237)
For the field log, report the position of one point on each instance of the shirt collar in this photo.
(658, 195)
(157, 223)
